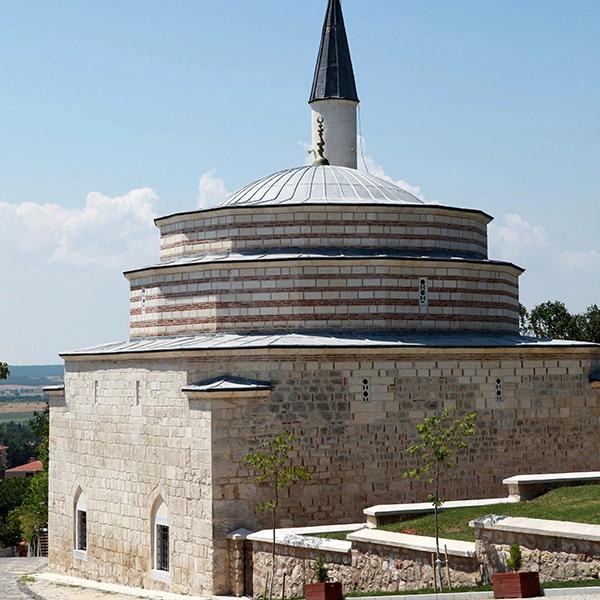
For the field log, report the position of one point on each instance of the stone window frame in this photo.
(80, 521)
(161, 525)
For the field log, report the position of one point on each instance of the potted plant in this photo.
(516, 583)
(323, 589)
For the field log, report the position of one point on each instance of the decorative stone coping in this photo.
(376, 515)
(301, 541)
(525, 487)
(553, 478)
(299, 537)
(54, 390)
(56, 394)
(544, 527)
(420, 543)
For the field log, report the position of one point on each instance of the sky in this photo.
(112, 113)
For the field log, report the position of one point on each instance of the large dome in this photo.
(320, 185)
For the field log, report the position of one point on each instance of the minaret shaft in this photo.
(333, 96)
(340, 135)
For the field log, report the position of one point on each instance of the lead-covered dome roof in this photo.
(320, 185)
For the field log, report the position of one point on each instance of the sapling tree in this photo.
(274, 469)
(440, 435)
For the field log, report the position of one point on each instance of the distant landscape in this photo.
(22, 393)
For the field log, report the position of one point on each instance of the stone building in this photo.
(320, 300)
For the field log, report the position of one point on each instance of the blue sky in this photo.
(114, 112)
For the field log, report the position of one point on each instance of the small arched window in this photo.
(161, 543)
(80, 521)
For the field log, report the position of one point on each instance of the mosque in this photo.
(319, 300)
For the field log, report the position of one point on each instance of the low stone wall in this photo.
(366, 568)
(556, 557)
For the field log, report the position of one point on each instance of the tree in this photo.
(553, 320)
(40, 427)
(4, 371)
(274, 469)
(591, 324)
(524, 320)
(12, 493)
(33, 513)
(440, 437)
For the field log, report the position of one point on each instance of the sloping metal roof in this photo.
(233, 341)
(228, 383)
(320, 184)
(334, 75)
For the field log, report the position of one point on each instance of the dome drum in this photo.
(421, 228)
(325, 294)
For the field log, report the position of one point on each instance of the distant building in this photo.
(28, 470)
(320, 300)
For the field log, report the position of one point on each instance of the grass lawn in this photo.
(580, 504)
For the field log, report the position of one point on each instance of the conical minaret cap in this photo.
(334, 75)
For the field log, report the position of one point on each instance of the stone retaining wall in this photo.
(367, 568)
(555, 558)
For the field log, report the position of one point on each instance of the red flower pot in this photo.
(516, 585)
(323, 591)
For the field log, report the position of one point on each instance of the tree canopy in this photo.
(553, 320)
(4, 370)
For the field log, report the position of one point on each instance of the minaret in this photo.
(333, 100)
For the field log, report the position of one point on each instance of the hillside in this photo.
(34, 375)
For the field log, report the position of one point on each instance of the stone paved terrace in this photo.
(11, 569)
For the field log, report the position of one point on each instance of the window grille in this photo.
(82, 530)
(499, 392)
(423, 292)
(366, 392)
(162, 548)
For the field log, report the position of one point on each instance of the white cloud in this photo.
(580, 260)
(211, 190)
(516, 236)
(106, 231)
(370, 165)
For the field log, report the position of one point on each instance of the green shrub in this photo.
(321, 571)
(515, 558)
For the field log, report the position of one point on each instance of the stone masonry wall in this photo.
(545, 419)
(556, 559)
(339, 295)
(126, 436)
(426, 229)
(367, 568)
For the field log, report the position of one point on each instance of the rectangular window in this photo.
(162, 548)
(81, 530)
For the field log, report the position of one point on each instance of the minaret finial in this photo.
(320, 152)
